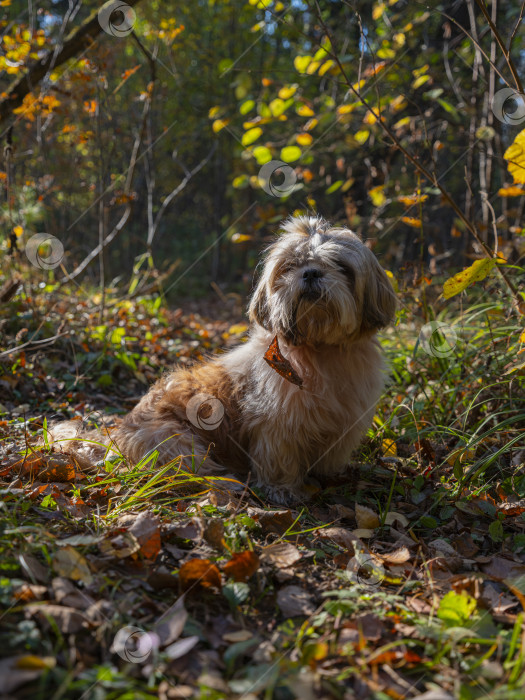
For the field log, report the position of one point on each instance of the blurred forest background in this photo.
(144, 150)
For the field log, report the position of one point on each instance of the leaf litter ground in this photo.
(402, 579)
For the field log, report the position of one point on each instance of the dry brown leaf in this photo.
(66, 593)
(393, 517)
(398, 556)
(169, 627)
(120, 546)
(365, 517)
(294, 601)
(237, 636)
(199, 572)
(146, 529)
(278, 521)
(344, 538)
(281, 554)
(68, 620)
(242, 566)
(214, 533)
(71, 564)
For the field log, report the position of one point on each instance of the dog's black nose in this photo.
(312, 274)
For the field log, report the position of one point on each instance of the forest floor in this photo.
(407, 580)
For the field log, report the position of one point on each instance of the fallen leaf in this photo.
(68, 620)
(199, 572)
(237, 636)
(294, 601)
(146, 529)
(277, 521)
(393, 517)
(66, 593)
(170, 625)
(280, 554)
(71, 564)
(181, 648)
(344, 538)
(120, 546)
(365, 517)
(214, 533)
(398, 556)
(242, 566)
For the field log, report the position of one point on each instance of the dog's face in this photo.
(321, 285)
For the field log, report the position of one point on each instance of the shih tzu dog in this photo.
(295, 399)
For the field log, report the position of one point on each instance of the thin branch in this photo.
(167, 201)
(501, 44)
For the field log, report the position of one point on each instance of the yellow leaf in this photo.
(240, 238)
(305, 111)
(411, 221)
(277, 107)
(475, 273)
(378, 10)
(402, 122)
(214, 111)
(522, 337)
(304, 139)
(312, 67)
(412, 199)
(371, 117)
(399, 39)
(301, 63)
(218, 125)
(398, 103)
(251, 135)
(377, 195)
(421, 80)
(287, 91)
(510, 191)
(515, 154)
(311, 124)
(347, 109)
(326, 66)
(361, 136)
(290, 153)
(18, 231)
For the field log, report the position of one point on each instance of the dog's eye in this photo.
(349, 273)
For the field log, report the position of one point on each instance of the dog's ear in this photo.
(379, 300)
(258, 308)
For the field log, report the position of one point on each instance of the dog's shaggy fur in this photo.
(324, 295)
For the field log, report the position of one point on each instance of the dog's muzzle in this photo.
(311, 283)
